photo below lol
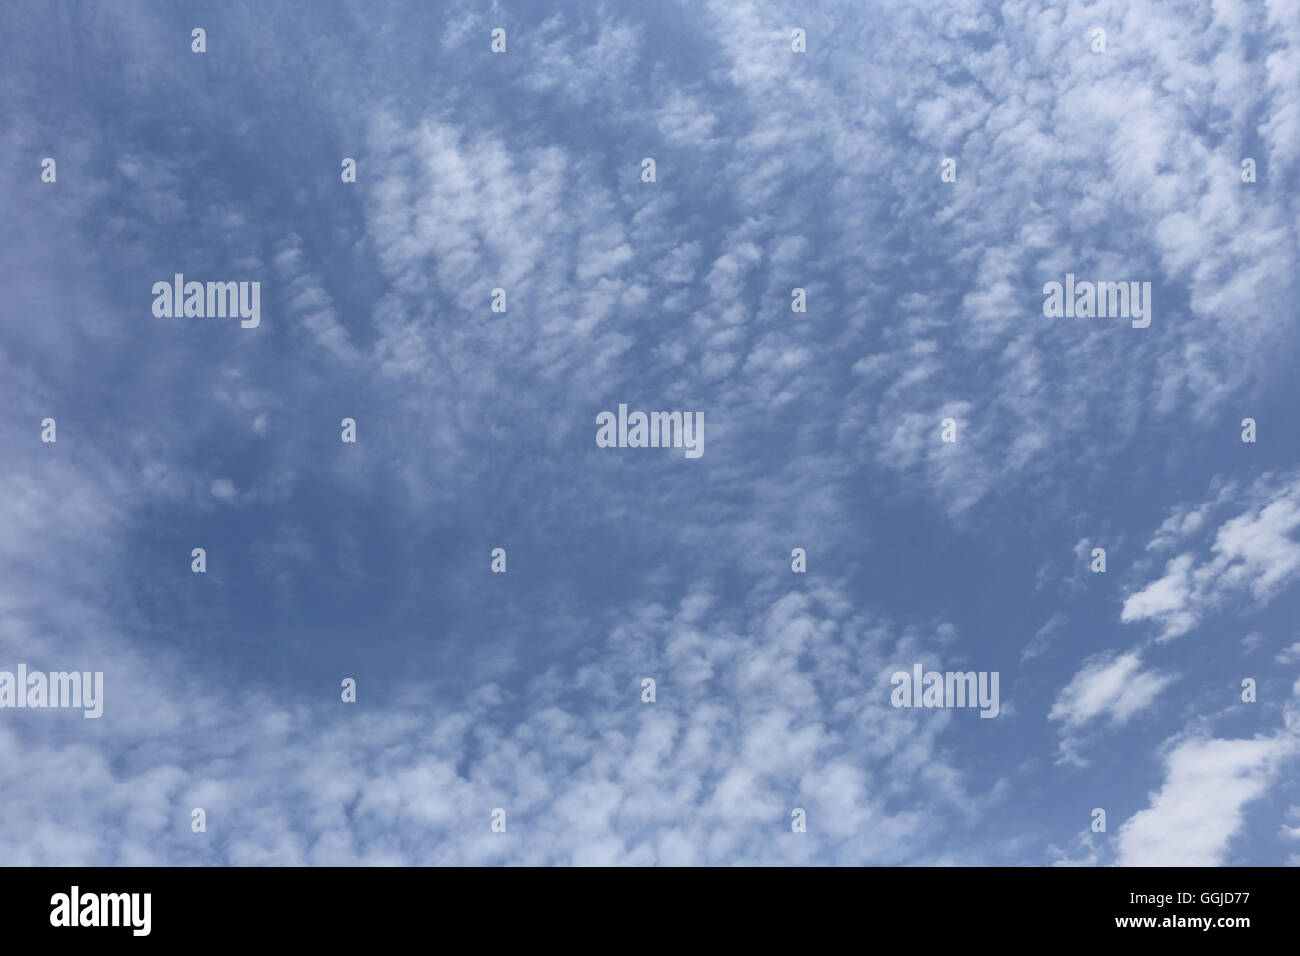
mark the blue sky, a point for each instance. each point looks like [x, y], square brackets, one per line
[476, 430]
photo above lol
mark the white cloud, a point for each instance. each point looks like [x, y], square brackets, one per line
[224, 489]
[1043, 637]
[1111, 686]
[1255, 556]
[680, 290]
[1200, 807]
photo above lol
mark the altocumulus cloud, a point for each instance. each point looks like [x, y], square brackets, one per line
[776, 172]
